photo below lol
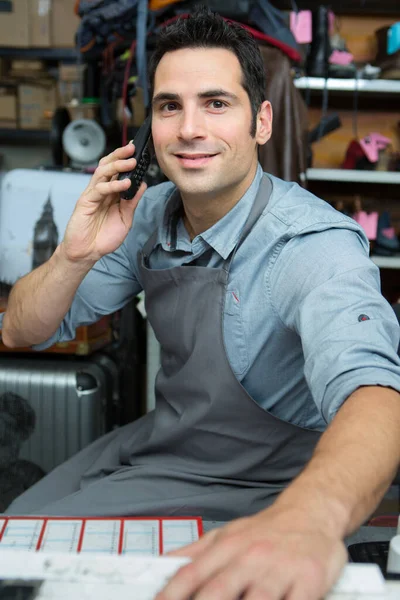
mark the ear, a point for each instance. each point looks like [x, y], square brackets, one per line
[264, 123]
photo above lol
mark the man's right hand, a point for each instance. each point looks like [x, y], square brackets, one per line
[101, 220]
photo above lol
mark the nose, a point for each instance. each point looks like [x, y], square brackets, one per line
[192, 125]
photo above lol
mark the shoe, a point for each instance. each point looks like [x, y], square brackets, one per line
[356, 159]
[317, 64]
[387, 242]
[389, 63]
[369, 222]
[341, 63]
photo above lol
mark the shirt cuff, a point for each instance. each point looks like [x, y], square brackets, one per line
[47, 343]
[340, 389]
[43, 345]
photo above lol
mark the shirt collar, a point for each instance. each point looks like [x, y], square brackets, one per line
[222, 236]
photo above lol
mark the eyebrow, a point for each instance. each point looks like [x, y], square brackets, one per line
[220, 93]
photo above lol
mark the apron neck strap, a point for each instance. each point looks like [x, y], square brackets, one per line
[149, 245]
[260, 202]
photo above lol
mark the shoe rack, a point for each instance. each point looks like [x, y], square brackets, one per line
[363, 106]
[372, 86]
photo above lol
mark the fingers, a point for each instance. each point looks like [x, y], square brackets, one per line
[193, 550]
[251, 577]
[118, 154]
[128, 207]
[280, 580]
[231, 582]
[116, 186]
[207, 564]
[116, 162]
[108, 191]
[109, 170]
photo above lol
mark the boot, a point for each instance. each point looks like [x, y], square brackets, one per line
[317, 64]
[388, 63]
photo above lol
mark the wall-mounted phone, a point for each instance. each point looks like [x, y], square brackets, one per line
[144, 153]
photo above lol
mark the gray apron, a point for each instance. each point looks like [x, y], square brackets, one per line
[208, 448]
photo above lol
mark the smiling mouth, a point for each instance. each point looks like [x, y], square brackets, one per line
[195, 156]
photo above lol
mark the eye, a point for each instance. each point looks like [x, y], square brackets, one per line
[218, 104]
[169, 107]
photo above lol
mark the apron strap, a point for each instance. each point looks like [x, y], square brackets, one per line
[259, 204]
[149, 245]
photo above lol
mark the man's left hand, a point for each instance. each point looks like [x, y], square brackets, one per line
[274, 555]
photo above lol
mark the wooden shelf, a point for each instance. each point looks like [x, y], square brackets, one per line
[68, 54]
[374, 86]
[356, 176]
[386, 262]
[24, 135]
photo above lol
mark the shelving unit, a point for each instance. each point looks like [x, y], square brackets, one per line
[346, 179]
[67, 54]
[24, 135]
[375, 86]
[371, 7]
[18, 136]
[386, 262]
[354, 176]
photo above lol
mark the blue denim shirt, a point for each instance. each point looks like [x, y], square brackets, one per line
[299, 285]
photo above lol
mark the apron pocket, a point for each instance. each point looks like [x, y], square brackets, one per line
[234, 333]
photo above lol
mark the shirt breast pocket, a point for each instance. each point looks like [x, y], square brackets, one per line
[234, 333]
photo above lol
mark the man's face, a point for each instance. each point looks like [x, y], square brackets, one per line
[202, 121]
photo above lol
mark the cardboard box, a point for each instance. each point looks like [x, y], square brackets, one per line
[69, 92]
[28, 24]
[14, 25]
[71, 72]
[8, 125]
[64, 24]
[37, 103]
[28, 69]
[28, 76]
[4, 66]
[70, 83]
[40, 23]
[27, 65]
[83, 111]
[8, 106]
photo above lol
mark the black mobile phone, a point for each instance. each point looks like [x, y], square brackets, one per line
[144, 153]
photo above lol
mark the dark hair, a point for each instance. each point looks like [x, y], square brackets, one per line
[206, 29]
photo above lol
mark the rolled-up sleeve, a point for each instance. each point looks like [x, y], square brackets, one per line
[325, 287]
[109, 285]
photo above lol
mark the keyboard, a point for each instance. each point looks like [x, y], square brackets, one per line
[370, 552]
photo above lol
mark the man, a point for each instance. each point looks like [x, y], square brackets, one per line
[271, 323]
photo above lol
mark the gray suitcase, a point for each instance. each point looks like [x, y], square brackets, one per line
[51, 408]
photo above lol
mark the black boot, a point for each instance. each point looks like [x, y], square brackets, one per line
[317, 64]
